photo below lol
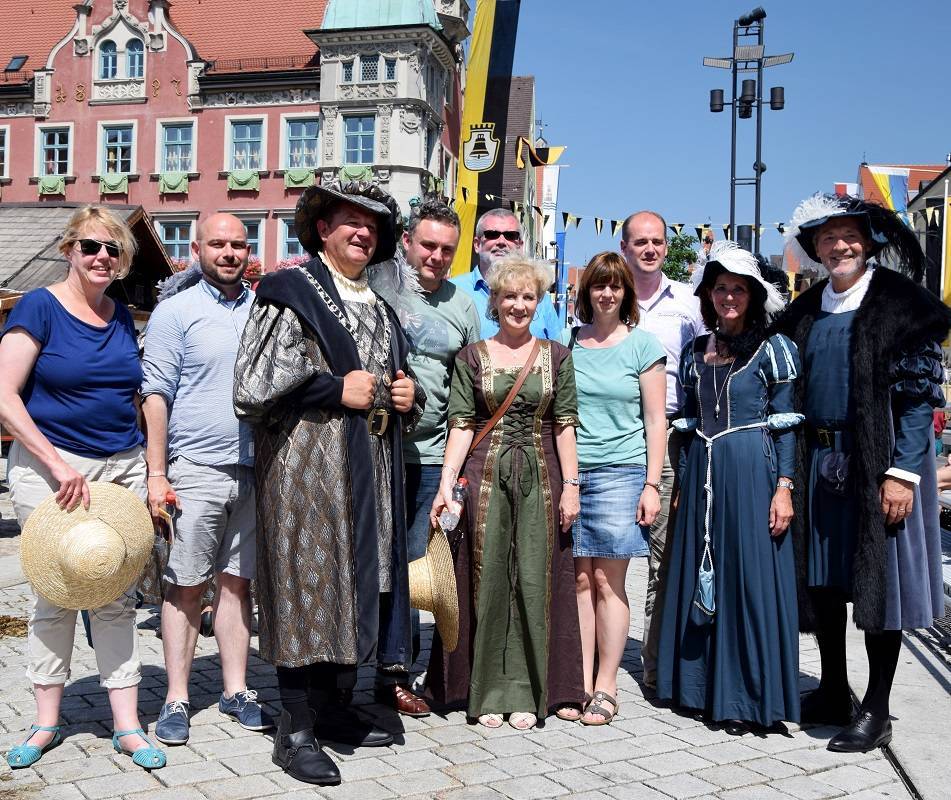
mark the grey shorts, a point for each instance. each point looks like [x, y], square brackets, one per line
[214, 529]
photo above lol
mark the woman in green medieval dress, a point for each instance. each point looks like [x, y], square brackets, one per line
[519, 647]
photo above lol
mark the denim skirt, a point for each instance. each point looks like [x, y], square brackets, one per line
[606, 526]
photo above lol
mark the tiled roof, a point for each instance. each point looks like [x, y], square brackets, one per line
[31, 28]
[229, 30]
[345, 14]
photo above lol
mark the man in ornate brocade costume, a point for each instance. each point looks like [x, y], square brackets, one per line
[319, 373]
[865, 498]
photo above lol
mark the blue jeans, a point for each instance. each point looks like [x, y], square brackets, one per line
[422, 485]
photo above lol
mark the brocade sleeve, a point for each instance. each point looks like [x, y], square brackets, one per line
[566, 394]
[462, 410]
[916, 390]
[273, 363]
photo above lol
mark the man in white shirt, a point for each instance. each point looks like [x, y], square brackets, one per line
[670, 311]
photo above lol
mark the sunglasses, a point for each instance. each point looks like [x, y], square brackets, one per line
[91, 247]
[511, 236]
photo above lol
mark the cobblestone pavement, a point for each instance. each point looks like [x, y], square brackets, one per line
[648, 753]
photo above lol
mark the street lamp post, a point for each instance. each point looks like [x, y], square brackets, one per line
[748, 47]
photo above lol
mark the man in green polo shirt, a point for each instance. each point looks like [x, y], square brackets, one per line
[438, 323]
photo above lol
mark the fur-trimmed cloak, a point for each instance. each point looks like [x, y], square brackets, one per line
[896, 317]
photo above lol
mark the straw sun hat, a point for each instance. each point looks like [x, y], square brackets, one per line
[86, 559]
[432, 587]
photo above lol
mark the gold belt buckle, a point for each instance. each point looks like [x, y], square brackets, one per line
[826, 437]
[377, 421]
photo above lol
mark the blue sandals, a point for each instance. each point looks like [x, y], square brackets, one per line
[148, 758]
[26, 755]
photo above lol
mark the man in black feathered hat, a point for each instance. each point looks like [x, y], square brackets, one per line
[866, 524]
[321, 374]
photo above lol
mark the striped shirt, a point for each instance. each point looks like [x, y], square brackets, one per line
[191, 344]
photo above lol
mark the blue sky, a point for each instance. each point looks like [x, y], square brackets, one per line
[620, 82]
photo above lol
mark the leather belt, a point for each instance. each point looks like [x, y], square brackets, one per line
[827, 436]
[378, 421]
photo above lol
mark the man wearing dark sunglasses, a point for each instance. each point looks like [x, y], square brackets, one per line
[498, 234]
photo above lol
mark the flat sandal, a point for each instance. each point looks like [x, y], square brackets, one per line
[490, 720]
[595, 707]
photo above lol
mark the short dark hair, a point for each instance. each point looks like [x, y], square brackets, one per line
[609, 268]
[627, 222]
[435, 210]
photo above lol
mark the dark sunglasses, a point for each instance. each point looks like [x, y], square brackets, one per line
[512, 236]
[91, 247]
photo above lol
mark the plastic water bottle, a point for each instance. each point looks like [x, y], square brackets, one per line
[449, 517]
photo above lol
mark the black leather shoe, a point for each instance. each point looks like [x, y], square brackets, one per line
[822, 707]
[343, 725]
[300, 756]
[866, 733]
[735, 727]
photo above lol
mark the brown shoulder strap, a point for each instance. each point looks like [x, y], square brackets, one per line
[500, 411]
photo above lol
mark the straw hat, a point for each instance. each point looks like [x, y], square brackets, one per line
[432, 587]
[85, 559]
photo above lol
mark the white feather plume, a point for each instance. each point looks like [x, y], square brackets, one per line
[736, 260]
[812, 208]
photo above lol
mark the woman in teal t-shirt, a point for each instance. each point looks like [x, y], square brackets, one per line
[622, 385]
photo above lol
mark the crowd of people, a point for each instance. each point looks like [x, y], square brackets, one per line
[773, 463]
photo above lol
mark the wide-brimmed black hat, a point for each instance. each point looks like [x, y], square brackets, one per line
[315, 200]
[883, 229]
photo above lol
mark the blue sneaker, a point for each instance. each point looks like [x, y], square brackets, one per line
[172, 725]
[246, 709]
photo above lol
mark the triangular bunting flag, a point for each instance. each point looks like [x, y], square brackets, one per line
[537, 210]
[542, 157]
[565, 216]
[727, 232]
[762, 229]
[616, 225]
[929, 215]
[699, 229]
[598, 224]
[465, 195]
[545, 218]
[781, 227]
[578, 221]
[677, 227]
[571, 219]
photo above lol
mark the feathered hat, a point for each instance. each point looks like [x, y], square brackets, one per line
[367, 196]
[882, 227]
[727, 256]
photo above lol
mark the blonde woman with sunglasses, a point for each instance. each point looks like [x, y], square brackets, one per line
[69, 375]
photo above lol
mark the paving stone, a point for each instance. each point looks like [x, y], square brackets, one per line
[228, 748]
[753, 793]
[524, 765]
[671, 763]
[451, 735]
[117, 785]
[681, 786]
[530, 787]
[660, 743]
[464, 753]
[635, 791]
[597, 733]
[59, 791]
[805, 787]
[248, 786]
[726, 752]
[851, 779]
[366, 768]
[358, 790]
[773, 767]
[424, 781]
[614, 750]
[75, 770]
[251, 764]
[643, 726]
[574, 779]
[701, 735]
[416, 761]
[730, 776]
[818, 759]
[193, 773]
[622, 772]
[553, 739]
[469, 793]
[476, 773]
[178, 793]
[566, 758]
[510, 746]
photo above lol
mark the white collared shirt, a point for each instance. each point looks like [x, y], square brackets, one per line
[672, 314]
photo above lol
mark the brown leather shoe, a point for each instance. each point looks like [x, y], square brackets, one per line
[402, 700]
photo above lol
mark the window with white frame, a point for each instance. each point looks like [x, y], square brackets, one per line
[369, 69]
[389, 68]
[301, 143]
[108, 60]
[176, 144]
[176, 238]
[253, 228]
[246, 144]
[117, 141]
[290, 246]
[346, 72]
[4, 134]
[135, 58]
[358, 139]
[54, 151]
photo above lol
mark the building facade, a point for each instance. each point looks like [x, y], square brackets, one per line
[190, 108]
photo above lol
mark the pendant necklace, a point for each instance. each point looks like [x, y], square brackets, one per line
[719, 393]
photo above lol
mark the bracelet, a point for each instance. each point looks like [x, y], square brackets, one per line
[570, 482]
[654, 486]
[156, 474]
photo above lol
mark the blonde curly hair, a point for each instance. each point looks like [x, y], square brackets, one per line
[516, 271]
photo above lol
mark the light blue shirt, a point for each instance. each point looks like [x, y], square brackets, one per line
[545, 323]
[191, 345]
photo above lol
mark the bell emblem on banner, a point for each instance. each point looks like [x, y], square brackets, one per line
[481, 149]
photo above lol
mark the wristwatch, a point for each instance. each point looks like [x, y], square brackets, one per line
[785, 483]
